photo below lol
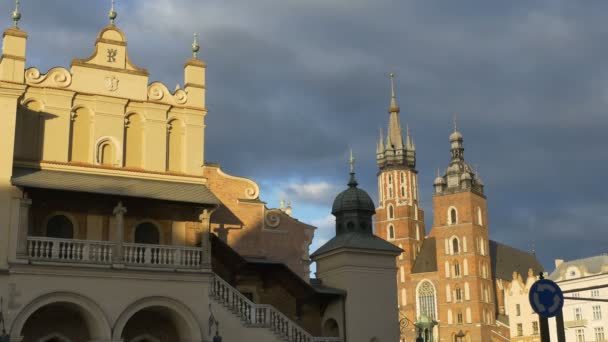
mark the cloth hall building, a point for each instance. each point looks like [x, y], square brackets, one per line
[451, 281]
[114, 228]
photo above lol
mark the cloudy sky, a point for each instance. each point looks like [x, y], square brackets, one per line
[293, 84]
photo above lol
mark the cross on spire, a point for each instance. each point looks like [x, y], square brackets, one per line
[195, 46]
[455, 127]
[351, 162]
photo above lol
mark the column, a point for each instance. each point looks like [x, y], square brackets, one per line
[205, 219]
[119, 214]
[24, 226]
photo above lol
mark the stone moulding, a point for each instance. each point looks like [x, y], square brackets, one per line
[55, 78]
[160, 93]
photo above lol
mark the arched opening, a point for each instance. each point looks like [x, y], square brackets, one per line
[55, 337]
[60, 227]
[58, 322]
[330, 328]
[453, 216]
[80, 135]
[391, 212]
[157, 319]
[456, 269]
[29, 124]
[147, 233]
[391, 232]
[175, 133]
[455, 248]
[134, 140]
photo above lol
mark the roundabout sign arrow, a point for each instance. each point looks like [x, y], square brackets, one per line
[546, 298]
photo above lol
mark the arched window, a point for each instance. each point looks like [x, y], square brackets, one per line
[60, 227]
[455, 248]
[458, 294]
[175, 133]
[402, 185]
[391, 232]
[467, 292]
[390, 179]
[391, 212]
[134, 140]
[459, 317]
[80, 135]
[465, 265]
[448, 293]
[479, 218]
[147, 233]
[105, 153]
[453, 216]
[426, 300]
[456, 269]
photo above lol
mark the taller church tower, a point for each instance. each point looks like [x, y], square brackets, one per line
[463, 255]
[398, 216]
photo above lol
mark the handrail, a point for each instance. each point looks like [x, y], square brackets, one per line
[262, 314]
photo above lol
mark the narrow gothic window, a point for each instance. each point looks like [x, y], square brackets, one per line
[458, 294]
[391, 213]
[455, 246]
[426, 300]
[459, 317]
[452, 216]
[479, 219]
[456, 269]
[391, 232]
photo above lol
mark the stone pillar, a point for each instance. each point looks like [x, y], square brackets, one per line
[24, 226]
[119, 213]
[205, 219]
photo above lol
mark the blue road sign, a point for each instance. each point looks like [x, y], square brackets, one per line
[546, 298]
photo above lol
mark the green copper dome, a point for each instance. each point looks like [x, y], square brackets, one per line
[353, 199]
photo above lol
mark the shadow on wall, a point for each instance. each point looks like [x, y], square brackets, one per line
[30, 130]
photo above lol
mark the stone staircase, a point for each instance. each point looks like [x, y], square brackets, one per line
[260, 315]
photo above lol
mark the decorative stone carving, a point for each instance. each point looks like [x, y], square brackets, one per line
[56, 77]
[159, 92]
[272, 218]
[111, 83]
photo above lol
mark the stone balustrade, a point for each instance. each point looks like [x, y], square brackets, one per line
[101, 253]
[261, 315]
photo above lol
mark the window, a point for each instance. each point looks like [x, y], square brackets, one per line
[597, 312]
[468, 315]
[60, 227]
[458, 294]
[467, 294]
[520, 329]
[534, 328]
[417, 232]
[448, 293]
[391, 212]
[479, 218]
[403, 184]
[517, 310]
[580, 335]
[415, 211]
[576, 294]
[426, 300]
[599, 334]
[391, 232]
[578, 315]
[456, 269]
[105, 153]
[453, 216]
[459, 317]
[595, 293]
[455, 245]
[402, 191]
[147, 233]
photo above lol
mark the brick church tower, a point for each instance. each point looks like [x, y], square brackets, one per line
[463, 254]
[398, 216]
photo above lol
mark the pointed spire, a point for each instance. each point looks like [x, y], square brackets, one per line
[195, 46]
[455, 127]
[393, 108]
[381, 143]
[16, 15]
[351, 161]
[408, 138]
[112, 14]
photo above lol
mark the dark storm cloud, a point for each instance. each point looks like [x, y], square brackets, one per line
[293, 84]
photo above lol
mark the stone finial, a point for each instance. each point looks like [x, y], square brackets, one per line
[394, 107]
[112, 14]
[16, 15]
[195, 46]
[351, 162]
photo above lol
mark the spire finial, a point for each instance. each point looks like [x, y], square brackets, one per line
[455, 127]
[195, 46]
[352, 182]
[112, 14]
[394, 107]
[438, 174]
[16, 15]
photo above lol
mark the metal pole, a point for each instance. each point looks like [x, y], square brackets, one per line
[544, 329]
[561, 333]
